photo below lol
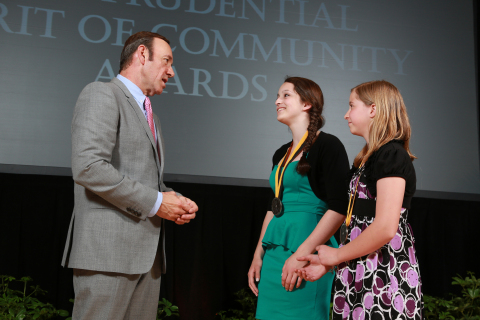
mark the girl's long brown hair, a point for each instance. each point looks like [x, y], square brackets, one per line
[310, 93]
[390, 121]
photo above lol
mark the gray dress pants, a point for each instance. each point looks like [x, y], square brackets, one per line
[115, 296]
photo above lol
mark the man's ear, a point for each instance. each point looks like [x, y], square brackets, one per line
[142, 54]
[373, 111]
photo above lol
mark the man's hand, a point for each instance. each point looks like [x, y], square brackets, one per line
[190, 214]
[173, 207]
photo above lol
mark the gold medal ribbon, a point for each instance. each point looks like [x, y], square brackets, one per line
[351, 201]
[278, 181]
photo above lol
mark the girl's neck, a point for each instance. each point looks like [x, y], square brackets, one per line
[366, 136]
[298, 130]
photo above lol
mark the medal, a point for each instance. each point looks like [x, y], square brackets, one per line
[277, 205]
[351, 201]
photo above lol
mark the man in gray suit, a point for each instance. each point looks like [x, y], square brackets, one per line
[116, 238]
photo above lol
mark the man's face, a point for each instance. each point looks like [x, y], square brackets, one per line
[157, 72]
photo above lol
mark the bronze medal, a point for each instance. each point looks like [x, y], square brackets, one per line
[277, 206]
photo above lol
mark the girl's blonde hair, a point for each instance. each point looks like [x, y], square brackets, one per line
[390, 121]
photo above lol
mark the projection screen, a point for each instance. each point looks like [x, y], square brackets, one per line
[230, 57]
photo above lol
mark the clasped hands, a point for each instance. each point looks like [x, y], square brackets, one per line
[177, 208]
[310, 267]
[291, 278]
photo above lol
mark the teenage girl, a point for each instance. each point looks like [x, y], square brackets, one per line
[378, 275]
[308, 179]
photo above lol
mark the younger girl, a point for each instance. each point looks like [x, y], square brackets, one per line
[378, 275]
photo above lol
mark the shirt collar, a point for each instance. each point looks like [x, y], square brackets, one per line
[134, 90]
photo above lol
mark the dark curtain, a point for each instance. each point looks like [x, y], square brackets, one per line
[35, 213]
[208, 259]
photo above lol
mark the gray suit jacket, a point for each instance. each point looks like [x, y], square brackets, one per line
[117, 174]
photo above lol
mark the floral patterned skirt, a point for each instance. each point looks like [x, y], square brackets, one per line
[384, 285]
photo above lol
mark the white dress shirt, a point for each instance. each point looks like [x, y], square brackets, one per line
[140, 98]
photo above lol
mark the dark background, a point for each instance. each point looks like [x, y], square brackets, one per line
[208, 259]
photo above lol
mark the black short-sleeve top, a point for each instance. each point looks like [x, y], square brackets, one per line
[390, 160]
[328, 168]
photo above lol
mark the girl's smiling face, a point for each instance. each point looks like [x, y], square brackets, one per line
[289, 105]
[359, 116]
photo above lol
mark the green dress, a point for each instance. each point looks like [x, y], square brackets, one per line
[302, 212]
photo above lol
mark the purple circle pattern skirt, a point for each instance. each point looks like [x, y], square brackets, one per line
[384, 285]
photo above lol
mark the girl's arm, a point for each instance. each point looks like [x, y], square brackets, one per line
[390, 192]
[254, 272]
[324, 230]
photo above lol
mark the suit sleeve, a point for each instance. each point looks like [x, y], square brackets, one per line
[94, 134]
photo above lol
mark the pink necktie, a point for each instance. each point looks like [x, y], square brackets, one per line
[148, 107]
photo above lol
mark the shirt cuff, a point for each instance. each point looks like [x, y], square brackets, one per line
[157, 205]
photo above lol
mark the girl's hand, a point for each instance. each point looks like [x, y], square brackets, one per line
[314, 270]
[254, 274]
[327, 256]
[289, 276]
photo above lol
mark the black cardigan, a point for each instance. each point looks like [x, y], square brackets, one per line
[328, 173]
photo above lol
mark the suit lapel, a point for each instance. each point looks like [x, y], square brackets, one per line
[141, 117]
